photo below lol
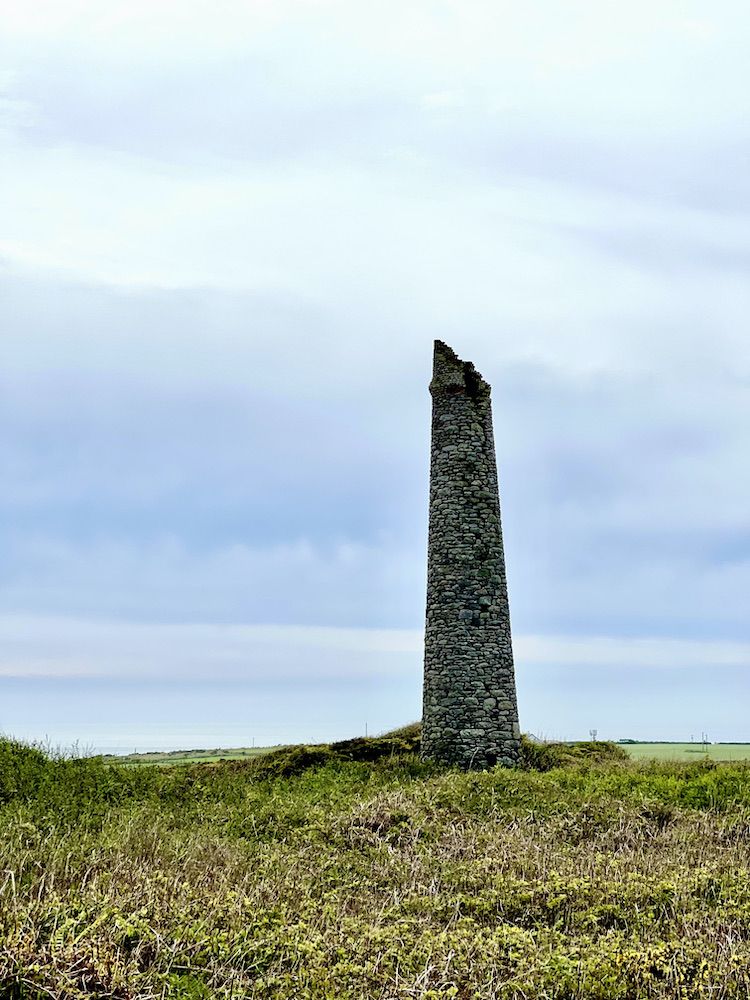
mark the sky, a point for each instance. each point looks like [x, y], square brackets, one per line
[229, 234]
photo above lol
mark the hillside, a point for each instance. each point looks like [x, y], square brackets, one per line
[358, 871]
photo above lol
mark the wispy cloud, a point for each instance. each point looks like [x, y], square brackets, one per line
[35, 646]
[43, 646]
[608, 652]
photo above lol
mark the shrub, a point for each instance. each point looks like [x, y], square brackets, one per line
[22, 768]
[546, 756]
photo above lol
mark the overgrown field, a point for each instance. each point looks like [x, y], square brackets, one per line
[314, 873]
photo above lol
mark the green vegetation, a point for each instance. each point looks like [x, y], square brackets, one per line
[688, 751]
[186, 756]
[355, 871]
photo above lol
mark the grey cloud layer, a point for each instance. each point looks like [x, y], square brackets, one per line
[172, 499]
[651, 100]
[228, 242]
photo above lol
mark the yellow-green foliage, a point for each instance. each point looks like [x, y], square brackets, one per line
[337, 878]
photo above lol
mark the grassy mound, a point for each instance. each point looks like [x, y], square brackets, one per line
[83, 789]
[404, 745]
[546, 756]
[401, 744]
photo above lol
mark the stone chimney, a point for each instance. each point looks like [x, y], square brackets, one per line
[470, 713]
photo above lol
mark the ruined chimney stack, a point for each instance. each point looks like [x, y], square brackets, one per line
[470, 713]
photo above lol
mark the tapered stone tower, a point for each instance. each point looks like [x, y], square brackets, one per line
[470, 713]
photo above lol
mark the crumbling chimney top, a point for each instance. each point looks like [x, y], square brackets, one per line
[451, 374]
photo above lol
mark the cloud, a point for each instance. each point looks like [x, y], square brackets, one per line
[54, 647]
[607, 652]
[119, 685]
[354, 264]
[283, 584]
[174, 500]
[633, 98]
[230, 236]
[63, 647]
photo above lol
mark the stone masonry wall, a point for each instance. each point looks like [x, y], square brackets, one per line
[470, 714]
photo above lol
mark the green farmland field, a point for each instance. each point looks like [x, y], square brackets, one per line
[687, 751]
[188, 756]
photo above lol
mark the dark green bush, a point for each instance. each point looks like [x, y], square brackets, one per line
[22, 768]
[289, 761]
[546, 756]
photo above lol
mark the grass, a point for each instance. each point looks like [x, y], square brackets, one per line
[638, 751]
[186, 756]
[688, 751]
[357, 871]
